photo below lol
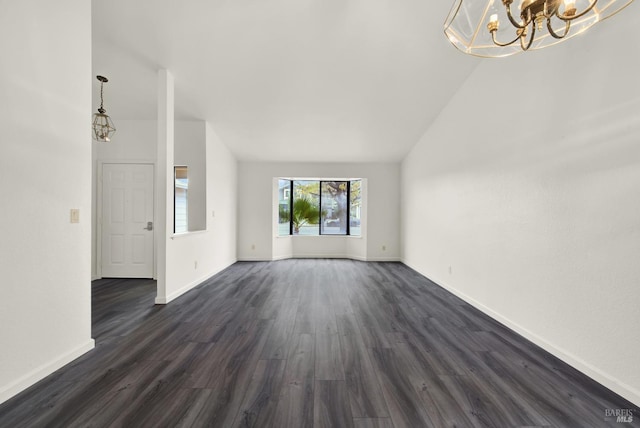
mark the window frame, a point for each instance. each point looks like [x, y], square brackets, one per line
[347, 230]
[178, 171]
[291, 200]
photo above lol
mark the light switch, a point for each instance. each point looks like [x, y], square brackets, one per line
[75, 215]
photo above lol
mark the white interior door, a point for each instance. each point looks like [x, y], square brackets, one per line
[127, 220]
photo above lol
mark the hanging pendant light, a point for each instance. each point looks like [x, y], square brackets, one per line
[103, 127]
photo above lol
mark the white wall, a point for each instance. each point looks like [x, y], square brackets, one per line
[256, 212]
[45, 155]
[524, 198]
[194, 257]
[134, 140]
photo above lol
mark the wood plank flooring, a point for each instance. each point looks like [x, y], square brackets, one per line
[308, 343]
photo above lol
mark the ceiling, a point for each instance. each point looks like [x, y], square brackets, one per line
[284, 80]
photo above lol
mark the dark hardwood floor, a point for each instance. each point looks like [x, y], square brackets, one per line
[308, 343]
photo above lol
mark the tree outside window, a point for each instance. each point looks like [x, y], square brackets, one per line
[312, 207]
[334, 208]
[306, 207]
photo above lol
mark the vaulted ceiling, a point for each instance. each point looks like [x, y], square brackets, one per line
[285, 80]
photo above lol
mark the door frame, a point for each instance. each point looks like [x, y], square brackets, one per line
[99, 195]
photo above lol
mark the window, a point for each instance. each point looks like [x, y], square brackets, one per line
[284, 207]
[333, 215]
[355, 207]
[180, 200]
[313, 207]
[305, 216]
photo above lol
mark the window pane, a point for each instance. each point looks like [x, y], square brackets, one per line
[306, 207]
[334, 208]
[284, 207]
[180, 205]
[355, 208]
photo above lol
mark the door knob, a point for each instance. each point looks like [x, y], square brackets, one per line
[149, 226]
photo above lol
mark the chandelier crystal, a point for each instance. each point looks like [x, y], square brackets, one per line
[497, 28]
[102, 125]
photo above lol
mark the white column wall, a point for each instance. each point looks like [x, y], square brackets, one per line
[164, 183]
[194, 257]
[45, 171]
[524, 198]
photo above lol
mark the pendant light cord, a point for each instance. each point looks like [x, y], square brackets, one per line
[101, 109]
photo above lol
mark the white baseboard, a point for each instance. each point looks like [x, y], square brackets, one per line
[165, 300]
[614, 384]
[321, 256]
[184, 289]
[384, 259]
[330, 256]
[43, 371]
[254, 259]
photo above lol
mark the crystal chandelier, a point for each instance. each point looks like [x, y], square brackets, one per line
[102, 127]
[497, 28]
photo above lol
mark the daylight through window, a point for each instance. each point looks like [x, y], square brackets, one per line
[318, 207]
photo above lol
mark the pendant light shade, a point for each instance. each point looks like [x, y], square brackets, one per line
[102, 126]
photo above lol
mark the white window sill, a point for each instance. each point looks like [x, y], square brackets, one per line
[184, 234]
